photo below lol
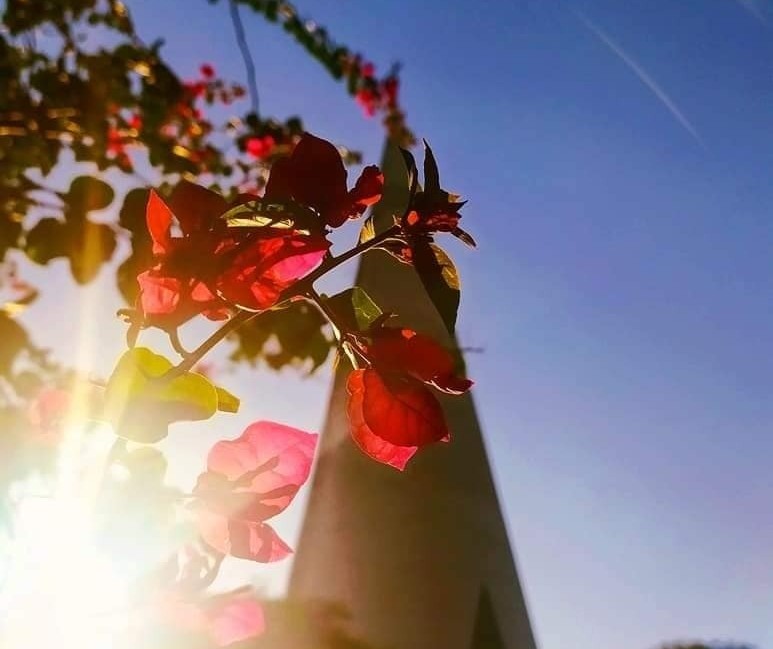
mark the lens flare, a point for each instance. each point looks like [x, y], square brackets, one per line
[59, 589]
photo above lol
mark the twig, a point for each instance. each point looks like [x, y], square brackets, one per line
[174, 340]
[302, 288]
[249, 63]
[196, 355]
[334, 262]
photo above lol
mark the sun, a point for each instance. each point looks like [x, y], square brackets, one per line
[59, 589]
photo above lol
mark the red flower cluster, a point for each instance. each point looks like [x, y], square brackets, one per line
[391, 411]
[206, 267]
[260, 147]
[314, 175]
[375, 96]
[224, 619]
[433, 209]
[249, 480]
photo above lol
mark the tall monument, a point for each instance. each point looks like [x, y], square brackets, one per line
[420, 559]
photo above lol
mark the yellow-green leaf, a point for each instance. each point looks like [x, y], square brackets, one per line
[141, 405]
[227, 402]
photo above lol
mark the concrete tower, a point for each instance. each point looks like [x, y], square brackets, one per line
[420, 559]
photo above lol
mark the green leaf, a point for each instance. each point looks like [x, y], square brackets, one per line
[431, 174]
[132, 213]
[355, 308]
[91, 245]
[227, 402]
[141, 405]
[14, 338]
[47, 240]
[272, 214]
[464, 237]
[440, 279]
[368, 230]
[87, 194]
[410, 165]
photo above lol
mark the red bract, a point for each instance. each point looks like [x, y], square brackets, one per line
[174, 290]
[48, 411]
[314, 175]
[368, 101]
[208, 263]
[405, 351]
[207, 71]
[391, 412]
[261, 271]
[226, 619]
[433, 209]
[248, 481]
[443, 217]
[235, 619]
[260, 147]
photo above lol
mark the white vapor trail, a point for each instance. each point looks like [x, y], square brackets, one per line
[755, 8]
[644, 76]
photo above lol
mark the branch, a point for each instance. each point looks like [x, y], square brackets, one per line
[174, 340]
[197, 354]
[334, 262]
[348, 347]
[249, 63]
[302, 288]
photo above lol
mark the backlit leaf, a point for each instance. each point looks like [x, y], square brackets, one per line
[141, 405]
[431, 174]
[440, 279]
[368, 230]
[87, 194]
[227, 402]
[262, 213]
[355, 308]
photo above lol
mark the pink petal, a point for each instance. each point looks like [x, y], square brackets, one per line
[259, 274]
[280, 456]
[243, 539]
[295, 266]
[235, 620]
[159, 295]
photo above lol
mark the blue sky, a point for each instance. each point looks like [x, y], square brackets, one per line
[617, 159]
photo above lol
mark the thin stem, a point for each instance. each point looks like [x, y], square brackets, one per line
[174, 340]
[249, 63]
[197, 354]
[303, 288]
[318, 301]
[334, 262]
[347, 340]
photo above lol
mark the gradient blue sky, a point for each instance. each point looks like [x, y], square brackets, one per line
[617, 157]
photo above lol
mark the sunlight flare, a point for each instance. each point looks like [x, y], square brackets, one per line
[59, 588]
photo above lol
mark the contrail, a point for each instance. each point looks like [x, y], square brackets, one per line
[754, 8]
[643, 75]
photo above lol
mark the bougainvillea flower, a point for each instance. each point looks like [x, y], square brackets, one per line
[174, 290]
[206, 265]
[224, 619]
[260, 272]
[433, 209]
[235, 619]
[392, 412]
[314, 175]
[48, 410]
[249, 480]
[260, 147]
[405, 351]
[441, 217]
